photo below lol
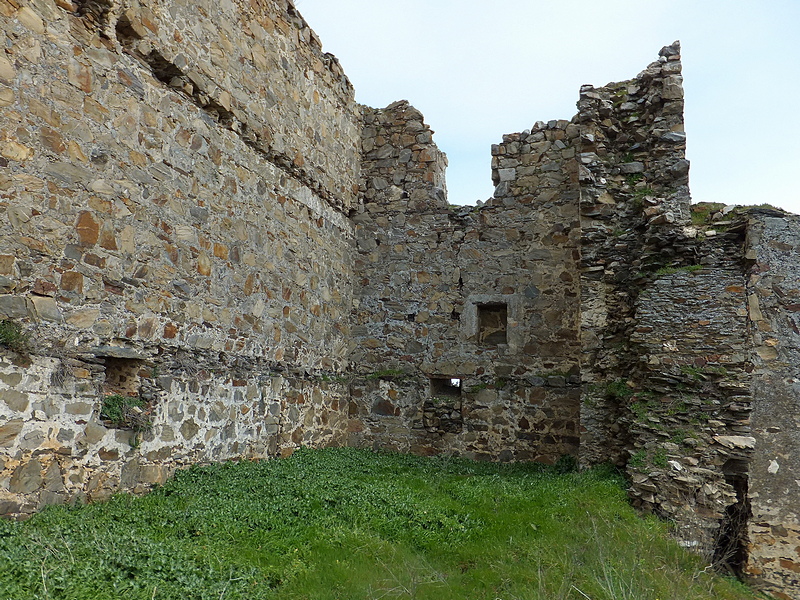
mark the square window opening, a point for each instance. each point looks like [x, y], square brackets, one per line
[492, 324]
[446, 387]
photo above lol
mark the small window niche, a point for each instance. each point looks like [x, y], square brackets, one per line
[123, 376]
[442, 411]
[492, 324]
[445, 387]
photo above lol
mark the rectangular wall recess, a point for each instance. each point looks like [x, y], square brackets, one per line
[492, 324]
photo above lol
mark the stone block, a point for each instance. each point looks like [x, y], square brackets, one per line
[26, 478]
[45, 309]
[13, 307]
[9, 432]
[15, 400]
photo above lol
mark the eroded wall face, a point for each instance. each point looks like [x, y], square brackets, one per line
[486, 297]
[774, 306]
[634, 202]
[172, 227]
[666, 363]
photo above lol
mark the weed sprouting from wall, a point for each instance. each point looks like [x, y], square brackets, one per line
[126, 412]
[13, 337]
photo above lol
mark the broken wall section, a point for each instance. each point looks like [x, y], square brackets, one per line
[634, 204]
[666, 362]
[465, 320]
[163, 202]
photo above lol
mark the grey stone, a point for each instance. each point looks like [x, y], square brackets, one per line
[189, 429]
[674, 136]
[16, 401]
[632, 167]
[26, 478]
[67, 173]
[53, 478]
[118, 352]
[13, 307]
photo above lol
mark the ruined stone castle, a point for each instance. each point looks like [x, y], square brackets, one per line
[196, 214]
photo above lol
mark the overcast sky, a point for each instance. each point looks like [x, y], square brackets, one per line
[478, 69]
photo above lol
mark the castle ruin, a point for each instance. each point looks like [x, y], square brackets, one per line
[196, 213]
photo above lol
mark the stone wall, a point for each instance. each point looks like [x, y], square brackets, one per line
[196, 218]
[485, 297]
[164, 206]
[773, 289]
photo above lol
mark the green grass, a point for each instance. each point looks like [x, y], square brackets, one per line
[126, 411]
[353, 524]
[13, 337]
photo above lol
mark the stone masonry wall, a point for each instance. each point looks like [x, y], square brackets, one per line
[195, 213]
[773, 288]
[426, 272]
[666, 364]
[163, 206]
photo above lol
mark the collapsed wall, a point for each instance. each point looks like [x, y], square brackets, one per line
[164, 209]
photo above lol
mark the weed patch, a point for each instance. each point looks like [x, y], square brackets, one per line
[352, 524]
[13, 337]
[129, 412]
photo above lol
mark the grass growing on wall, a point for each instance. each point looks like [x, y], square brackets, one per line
[13, 337]
[352, 524]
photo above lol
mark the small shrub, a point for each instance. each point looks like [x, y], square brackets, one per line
[660, 458]
[640, 409]
[638, 459]
[13, 337]
[634, 178]
[126, 412]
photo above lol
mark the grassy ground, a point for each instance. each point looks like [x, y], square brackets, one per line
[352, 524]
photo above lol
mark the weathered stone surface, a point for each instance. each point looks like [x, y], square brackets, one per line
[9, 431]
[26, 478]
[13, 307]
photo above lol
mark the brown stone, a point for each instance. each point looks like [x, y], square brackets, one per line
[15, 151]
[75, 153]
[44, 288]
[106, 454]
[88, 229]
[221, 251]
[203, 264]
[107, 239]
[80, 76]
[52, 140]
[9, 432]
[72, 281]
[7, 264]
[7, 71]
[249, 284]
